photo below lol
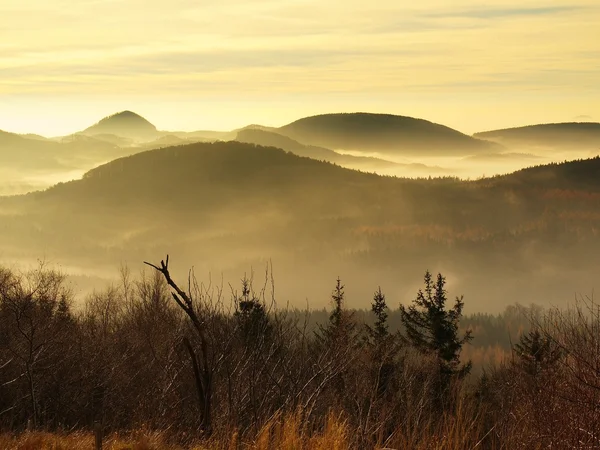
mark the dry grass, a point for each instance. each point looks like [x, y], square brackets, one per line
[281, 433]
[82, 441]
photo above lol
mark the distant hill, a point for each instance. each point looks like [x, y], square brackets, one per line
[119, 141]
[553, 135]
[25, 154]
[168, 140]
[204, 135]
[271, 139]
[18, 152]
[383, 133]
[125, 124]
[261, 136]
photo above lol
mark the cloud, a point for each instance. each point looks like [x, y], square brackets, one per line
[378, 52]
[500, 13]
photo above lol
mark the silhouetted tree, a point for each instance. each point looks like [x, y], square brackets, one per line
[251, 315]
[536, 351]
[380, 309]
[202, 366]
[431, 328]
[341, 326]
[384, 347]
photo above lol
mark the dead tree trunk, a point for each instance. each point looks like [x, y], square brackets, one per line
[200, 363]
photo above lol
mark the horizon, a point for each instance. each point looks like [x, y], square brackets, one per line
[220, 67]
[67, 127]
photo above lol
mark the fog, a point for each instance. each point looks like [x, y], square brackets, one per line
[472, 166]
[285, 199]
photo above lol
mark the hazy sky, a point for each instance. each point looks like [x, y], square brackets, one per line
[194, 64]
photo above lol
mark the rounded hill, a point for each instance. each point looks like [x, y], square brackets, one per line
[125, 124]
[383, 133]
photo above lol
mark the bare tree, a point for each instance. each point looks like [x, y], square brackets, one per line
[202, 368]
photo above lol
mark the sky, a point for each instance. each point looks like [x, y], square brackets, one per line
[197, 65]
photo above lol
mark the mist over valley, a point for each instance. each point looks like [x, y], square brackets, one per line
[372, 198]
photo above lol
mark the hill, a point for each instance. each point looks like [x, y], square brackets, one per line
[18, 152]
[204, 135]
[385, 134]
[271, 139]
[119, 141]
[225, 207]
[75, 151]
[29, 163]
[125, 124]
[211, 174]
[202, 178]
[573, 135]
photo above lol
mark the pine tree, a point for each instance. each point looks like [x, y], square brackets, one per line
[251, 315]
[379, 308]
[431, 328]
[340, 328]
[337, 340]
[384, 347]
[335, 318]
[536, 351]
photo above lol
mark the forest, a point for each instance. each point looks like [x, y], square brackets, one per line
[154, 362]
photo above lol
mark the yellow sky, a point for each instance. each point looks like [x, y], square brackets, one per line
[194, 64]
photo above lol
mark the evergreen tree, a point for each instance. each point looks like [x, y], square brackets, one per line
[336, 342]
[251, 315]
[384, 347]
[536, 351]
[380, 309]
[341, 325]
[431, 328]
[338, 303]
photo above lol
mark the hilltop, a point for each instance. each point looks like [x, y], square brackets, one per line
[125, 124]
[383, 133]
